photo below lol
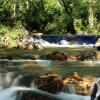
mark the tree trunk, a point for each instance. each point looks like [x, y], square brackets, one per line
[90, 14]
[69, 12]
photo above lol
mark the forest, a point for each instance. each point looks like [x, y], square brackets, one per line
[50, 17]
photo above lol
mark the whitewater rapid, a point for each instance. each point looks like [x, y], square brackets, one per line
[11, 94]
[61, 43]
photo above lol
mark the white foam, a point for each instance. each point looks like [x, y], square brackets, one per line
[44, 63]
[63, 43]
[65, 96]
[10, 94]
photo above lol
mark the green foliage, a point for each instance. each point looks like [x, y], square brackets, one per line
[56, 23]
[13, 35]
[19, 17]
[78, 26]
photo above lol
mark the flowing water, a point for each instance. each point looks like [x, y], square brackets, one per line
[17, 76]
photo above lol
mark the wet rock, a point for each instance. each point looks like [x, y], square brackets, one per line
[98, 55]
[78, 84]
[50, 82]
[21, 45]
[55, 56]
[88, 55]
[30, 47]
[32, 57]
[38, 46]
[60, 56]
[25, 46]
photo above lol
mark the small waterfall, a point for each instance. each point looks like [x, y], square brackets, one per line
[2, 81]
[16, 81]
[23, 93]
[69, 88]
[7, 94]
[18, 90]
[63, 42]
[64, 96]
[58, 42]
[9, 78]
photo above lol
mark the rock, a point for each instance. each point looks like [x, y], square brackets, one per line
[55, 56]
[37, 34]
[97, 44]
[78, 84]
[58, 56]
[98, 55]
[71, 58]
[50, 82]
[88, 55]
[38, 46]
[30, 47]
[21, 46]
[32, 57]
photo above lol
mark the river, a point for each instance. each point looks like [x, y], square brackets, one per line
[12, 70]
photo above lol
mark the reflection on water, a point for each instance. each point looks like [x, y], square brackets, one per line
[61, 67]
[44, 63]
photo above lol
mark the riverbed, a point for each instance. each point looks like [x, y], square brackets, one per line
[91, 68]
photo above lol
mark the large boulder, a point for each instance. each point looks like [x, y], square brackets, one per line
[51, 83]
[78, 84]
[60, 56]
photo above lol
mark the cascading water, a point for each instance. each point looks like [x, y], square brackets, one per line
[9, 78]
[64, 96]
[7, 94]
[23, 93]
[70, 88]
[14, 87]
[2, 81]
[64, 42]
[18, 90]
[18, 93]
[16, 80]
[60, 43]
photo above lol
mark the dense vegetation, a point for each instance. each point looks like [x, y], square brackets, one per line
[21, 17]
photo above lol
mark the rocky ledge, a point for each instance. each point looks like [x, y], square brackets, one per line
[74, 83]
